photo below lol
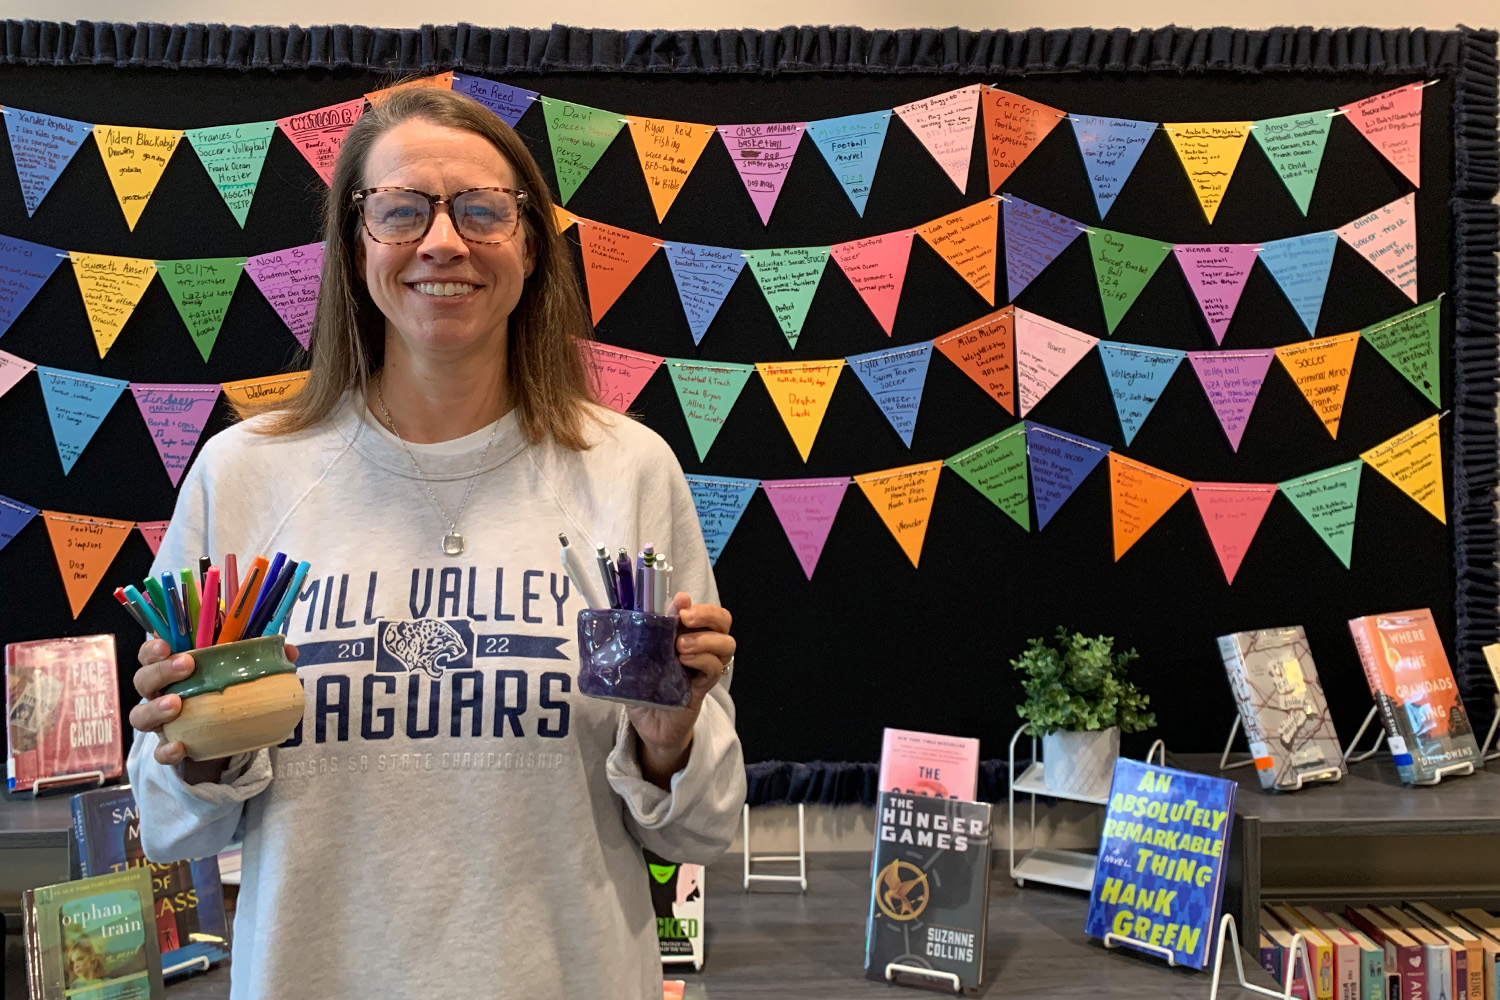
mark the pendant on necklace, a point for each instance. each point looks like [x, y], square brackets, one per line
[453, 543]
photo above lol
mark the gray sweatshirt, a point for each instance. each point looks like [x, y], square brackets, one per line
[452, 819]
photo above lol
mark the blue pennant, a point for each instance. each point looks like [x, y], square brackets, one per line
[1111, 148]
[895, 377]
[1034, 236]
[1300, 266]
[24, 269]
[42, 146]
[704, 276]
[720, 503]
[76, 404]
[510, 103]
[851, 145]
[1137, 375]
[1059, 463]
[14, 515]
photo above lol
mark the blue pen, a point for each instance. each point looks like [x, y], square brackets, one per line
[287, 600]
[169, 587]
[270, 599]
[272, 575]
[152, 618]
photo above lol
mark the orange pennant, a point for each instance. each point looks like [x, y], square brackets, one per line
[1139, 496]
[84, 547]
[611, 260]
[1321, 370]
[986, 351]
[966, 240]
[801, 391]
[443, 81]
[903, 499]
[1013, 127]
[562, 218]
[249, 394]
[668, 151]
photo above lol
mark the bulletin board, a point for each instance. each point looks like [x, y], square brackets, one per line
[878, 633]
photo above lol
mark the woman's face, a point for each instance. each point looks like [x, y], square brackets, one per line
[442, 296]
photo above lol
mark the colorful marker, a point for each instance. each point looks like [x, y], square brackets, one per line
[287, 600]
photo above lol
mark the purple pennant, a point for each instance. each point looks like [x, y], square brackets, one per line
[289, 279]
[24, 269]
[1034, 236]
[175, 413]
[806, 508]
[1217, 274]
[510, 103]
[43, 146]
[763, 154]
[1059, 463]
[14, 515]
[1232, 380]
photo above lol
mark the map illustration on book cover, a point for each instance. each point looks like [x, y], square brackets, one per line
[62, 710]
[677, 897]
[929, 901]
[1160, 873]
[1282, 708]
[1425, 722]
[91, 940]
[943, 767]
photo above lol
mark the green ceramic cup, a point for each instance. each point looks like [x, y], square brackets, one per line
[219, 667]
[241, 696]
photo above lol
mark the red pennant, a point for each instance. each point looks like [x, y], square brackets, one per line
[617, 375]
[152, 531]
[1392, 121]
[1232, 513]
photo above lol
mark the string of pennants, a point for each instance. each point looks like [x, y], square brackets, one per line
[135, 157]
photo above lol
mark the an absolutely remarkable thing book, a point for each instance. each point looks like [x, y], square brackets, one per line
[1282, 708]
[941, 767]
[92, 939]
[62, 711]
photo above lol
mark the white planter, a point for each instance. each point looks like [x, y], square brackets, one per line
[1081, 763]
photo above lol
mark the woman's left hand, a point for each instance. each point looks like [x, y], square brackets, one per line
[705, 648]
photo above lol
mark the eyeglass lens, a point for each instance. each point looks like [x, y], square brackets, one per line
[404, 216]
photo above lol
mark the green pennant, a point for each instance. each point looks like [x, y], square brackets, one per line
[996, 467]
[202, 288]
[788, 277]
[707, 392]
[578, 135]
[1294, 145]
[1123, 264]
[1327, 499]
[1410, 343]
[233, 156]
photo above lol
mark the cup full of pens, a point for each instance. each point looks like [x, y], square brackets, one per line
[243, 693]
[627, 636]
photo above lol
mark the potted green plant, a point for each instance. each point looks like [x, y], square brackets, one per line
[1078, 700]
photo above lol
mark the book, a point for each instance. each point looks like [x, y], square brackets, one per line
[1375, 983]
[1406, 956]
[1318, 946]
[1413, 686]
[1347, 961]
[1282, 708]
[1160, 874]
[677, 897]
[941, 767]
[62, 711]
[1282, 938]
[1461, 940]
[1442, 977]
[929, 895]
[187, 898]
[1270, 955]
[1489, 942]
[91, 940]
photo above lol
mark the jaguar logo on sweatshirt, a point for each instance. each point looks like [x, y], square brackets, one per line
[428, 645]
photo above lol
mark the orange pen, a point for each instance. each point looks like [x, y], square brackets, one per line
[244, 602]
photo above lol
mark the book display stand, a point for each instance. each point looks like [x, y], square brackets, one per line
[946, 978]
[1224, 765]
[1229, 940]
[1455, 770]
[89, 779]
[198, 963]
[800, 857]
[1489, 740]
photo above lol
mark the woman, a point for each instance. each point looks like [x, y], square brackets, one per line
[448, 793]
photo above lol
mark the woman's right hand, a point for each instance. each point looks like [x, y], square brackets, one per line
[159, 667]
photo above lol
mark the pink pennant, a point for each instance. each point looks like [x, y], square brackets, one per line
[318, 134]
[1217, 274]
[763, 155]
[152, 531]
[1392, 121]
[289, 279]
[1232, 512]
[806, 508]
[876, 267]
[617, 375]
[1387, 238]
[12, 370]
[175, 413]
[1232, 380]
[945, 125]
[1045, 352]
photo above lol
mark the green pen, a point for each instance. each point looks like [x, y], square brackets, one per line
[153, 589]
[190, 594]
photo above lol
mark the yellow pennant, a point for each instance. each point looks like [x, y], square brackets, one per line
[562, 218]
[1321, 370]
[903, 499]
[1413, 461]
[801, 391]
[134, 159]
[1209, 152]
[668, 152]
[250, 394]
[111, 287]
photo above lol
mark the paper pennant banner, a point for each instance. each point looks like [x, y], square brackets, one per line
[1045, 352]
[996, 467]
[134, 158]
[1232, 381]
[76, 405]
[319, 134]
[562, 218]
[1138, 496]
[895, 378]
[510, 103]
[290, 279]
[1392, 121]
[14, 515]
[707, 392]
[1327, 499]
[788, 277]
[152, 532]
[966, 240]
[443, 81]
[945, 125]
[1410, 343]
[1122, 266]
[1387, 238]
[1137, 376]
[611, 260]
[801, 391]
[617, 375]
[876, 267]
[175, 413]
[24, 269]
[1294, 145]
[42, 146]
[1231, 514]
[763, 154]
[111, 289]
[201, 290]
[668, 151]
[1110, 147]
[903, 499]
[12, 370]
[1300, 266]
[852, 145]
[84, 547]
[720, 504]
[252, 392]
[1321, 370]
[1216, 273]
[806, 508]
[1059, 463]
[233, 155]
[985, 350]
[1034, 236]
[1209, 152]
[704, 275]
[1013, 127]
[1413, 460]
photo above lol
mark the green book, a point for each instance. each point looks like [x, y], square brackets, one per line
[93, 939]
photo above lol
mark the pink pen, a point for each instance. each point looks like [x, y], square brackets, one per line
[208, 611]
[231, 580]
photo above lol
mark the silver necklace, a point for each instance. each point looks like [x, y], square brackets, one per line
[453, 541]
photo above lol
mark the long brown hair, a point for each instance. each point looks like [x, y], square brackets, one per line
[544, 366]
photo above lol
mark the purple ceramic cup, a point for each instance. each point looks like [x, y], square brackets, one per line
[631, 657]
